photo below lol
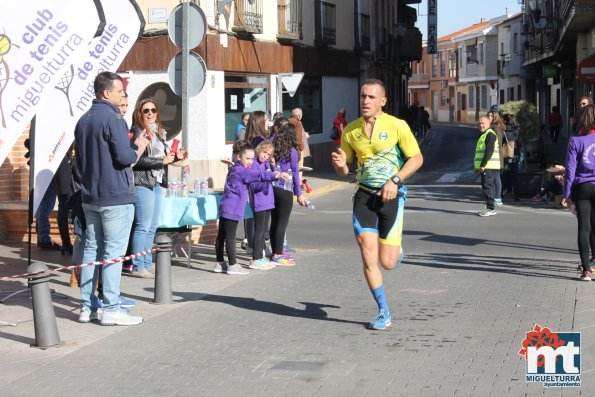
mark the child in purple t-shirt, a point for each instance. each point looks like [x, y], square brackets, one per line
[233, 203]
[262, 201]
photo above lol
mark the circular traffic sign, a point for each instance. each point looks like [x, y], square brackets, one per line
[197, 26]
[197, 73]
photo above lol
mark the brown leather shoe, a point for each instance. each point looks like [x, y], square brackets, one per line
[74, 278]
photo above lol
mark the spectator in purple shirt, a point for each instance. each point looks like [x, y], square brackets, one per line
[579, 185]
[256, 132]
[286, 160]
[233, 203]
[262, 201]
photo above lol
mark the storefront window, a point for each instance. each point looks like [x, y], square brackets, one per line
[308, 97]
[243, 93]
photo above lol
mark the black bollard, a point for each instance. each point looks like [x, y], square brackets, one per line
[163, 295]
[44, 318]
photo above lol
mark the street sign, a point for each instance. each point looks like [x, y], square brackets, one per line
[586, 70]
[550, 71]
[197, 74]
[291, 81]
[197, 26]
[432, 41]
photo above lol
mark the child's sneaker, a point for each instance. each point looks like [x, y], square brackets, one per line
[287, 248]
[236, 269]
[220, 267]
[382, 321]
[260, 264]
[282, 260]
[487, 212]
[267, 251]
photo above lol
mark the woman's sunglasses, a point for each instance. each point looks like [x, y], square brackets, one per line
[152, 110]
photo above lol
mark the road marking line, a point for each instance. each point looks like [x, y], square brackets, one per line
[449, 177]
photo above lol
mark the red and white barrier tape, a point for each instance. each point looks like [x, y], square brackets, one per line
[101, 263]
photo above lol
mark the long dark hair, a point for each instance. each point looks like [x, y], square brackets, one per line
[279, 122]
[285, 140]
[256, 126]
[586, 118]
[240, 147]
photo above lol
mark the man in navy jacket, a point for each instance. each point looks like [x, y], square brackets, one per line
[104, 157]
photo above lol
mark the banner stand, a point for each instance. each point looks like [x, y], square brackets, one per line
[30, 211]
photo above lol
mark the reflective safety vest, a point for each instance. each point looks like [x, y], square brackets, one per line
[494, 161]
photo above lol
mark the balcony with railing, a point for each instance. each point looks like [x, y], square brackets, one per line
[419, 78]
[248, 17]
[289, 15]
[362, 35]
[472, 69]
[325, 23]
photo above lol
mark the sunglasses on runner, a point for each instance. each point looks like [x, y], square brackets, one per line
[152, 110]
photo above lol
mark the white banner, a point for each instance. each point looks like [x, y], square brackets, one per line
[37, 41]
[64, 105]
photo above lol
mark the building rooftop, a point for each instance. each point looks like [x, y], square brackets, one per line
[469, 29]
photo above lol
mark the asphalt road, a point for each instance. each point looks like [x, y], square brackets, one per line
[469, 291]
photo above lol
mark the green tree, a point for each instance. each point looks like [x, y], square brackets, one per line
[526, 116]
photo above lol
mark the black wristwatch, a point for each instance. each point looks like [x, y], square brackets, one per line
[397, 181]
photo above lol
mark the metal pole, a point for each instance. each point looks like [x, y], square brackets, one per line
[44, 318]
[163, 293]
[185, 68]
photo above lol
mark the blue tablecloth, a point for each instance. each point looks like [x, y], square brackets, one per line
[181, 211]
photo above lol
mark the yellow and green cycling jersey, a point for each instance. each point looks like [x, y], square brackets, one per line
[380, 156]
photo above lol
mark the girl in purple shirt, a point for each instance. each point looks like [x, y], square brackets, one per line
[233, 203]
[286, 160]
[579, 183]
[262, 201]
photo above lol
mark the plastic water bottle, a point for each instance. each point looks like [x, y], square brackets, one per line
[310, 205]
[184, 187]
[170, 188]
[278, 182]
[174, 187]
[204, 187]
[289, 181]
[196, 187]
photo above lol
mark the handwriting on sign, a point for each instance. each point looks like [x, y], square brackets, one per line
[424, 291]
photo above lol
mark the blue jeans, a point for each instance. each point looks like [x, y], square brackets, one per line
[146, 216]
[42, 216]
[108, 229]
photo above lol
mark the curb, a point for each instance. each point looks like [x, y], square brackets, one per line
[326, 188]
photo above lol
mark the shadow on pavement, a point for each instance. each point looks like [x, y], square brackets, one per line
[470, 242]
[311, 310]
[558, 269]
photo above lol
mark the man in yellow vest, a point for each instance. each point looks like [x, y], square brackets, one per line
[487, 163]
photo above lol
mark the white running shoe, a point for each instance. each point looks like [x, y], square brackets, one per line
[119, 318]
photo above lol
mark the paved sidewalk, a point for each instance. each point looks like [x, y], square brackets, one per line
[19, 360]
[460, 317]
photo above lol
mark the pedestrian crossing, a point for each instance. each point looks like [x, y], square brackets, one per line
[449, 177]
[445, 177]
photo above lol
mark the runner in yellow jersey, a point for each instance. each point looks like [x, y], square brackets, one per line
[379, 141]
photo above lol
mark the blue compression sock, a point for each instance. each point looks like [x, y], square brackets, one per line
[380, 298]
